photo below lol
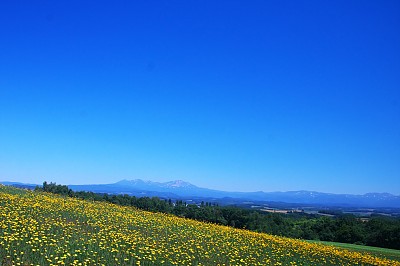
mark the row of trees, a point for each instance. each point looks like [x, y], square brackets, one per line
[378, 231]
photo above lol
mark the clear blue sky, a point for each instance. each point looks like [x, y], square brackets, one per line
[232, 95]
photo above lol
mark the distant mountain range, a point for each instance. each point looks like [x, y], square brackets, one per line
[181, 189]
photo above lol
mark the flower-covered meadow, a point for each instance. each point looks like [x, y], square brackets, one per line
[45, 229]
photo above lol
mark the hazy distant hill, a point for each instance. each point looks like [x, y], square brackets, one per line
[19, 185]
[179, 188]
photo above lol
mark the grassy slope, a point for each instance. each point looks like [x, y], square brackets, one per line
[101, 233]
[379, 252]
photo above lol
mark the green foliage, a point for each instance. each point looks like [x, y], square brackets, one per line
[378, 231]
[38, 228]
[376, 251]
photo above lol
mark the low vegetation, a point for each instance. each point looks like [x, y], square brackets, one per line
[377, 231]
[392, 254]
[39, 228]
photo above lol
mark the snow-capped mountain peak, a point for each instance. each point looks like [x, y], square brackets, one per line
[178, 184]
[145, 184]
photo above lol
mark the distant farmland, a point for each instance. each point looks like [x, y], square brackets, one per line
[45, 229]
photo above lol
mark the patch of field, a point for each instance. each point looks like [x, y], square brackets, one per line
[46, 229]
[392, 254]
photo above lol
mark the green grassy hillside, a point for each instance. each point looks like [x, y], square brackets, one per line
[46, 229]
[376, 251]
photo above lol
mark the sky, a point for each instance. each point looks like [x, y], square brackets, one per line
[229, 95]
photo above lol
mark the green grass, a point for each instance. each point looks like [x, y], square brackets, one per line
[39, 228]
[12, 190]
[376, 251]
